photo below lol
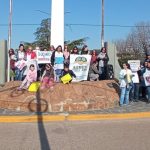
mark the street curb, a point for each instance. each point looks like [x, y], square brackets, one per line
[82, 117]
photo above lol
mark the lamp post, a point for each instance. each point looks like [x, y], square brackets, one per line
[102, 31]
[9, 39]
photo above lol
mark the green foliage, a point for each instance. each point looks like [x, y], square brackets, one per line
[43, 32]
[79, 42]
[42, 36]
[124, 57]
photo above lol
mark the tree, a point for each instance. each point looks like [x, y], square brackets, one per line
[43, 34]
[135, 46]
[42, 37]
[79, 42]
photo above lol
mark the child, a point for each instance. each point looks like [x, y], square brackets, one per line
[47, 79]
[30, 77]
[66, 71]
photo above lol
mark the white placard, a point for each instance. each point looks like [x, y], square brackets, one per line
[80, 64]
[43, 57]
[134, 65]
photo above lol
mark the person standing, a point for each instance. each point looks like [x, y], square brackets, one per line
[75, 50]
[125, 84]
[146, 77]
[103, 60]
[134, 93]
[84, 50]
[94, 56]
[66, 54]
[57, 60]
[30, 54]
[142, 82]
[20, 64]
[12, 63]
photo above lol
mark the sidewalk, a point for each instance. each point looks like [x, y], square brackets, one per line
[131, 108]
[133, 111]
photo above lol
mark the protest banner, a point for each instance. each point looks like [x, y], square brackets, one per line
[80, 64]
[20, 64]
[134, 65]
[43, 57]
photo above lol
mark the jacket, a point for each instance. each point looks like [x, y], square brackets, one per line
[31, 75]
[125, 77]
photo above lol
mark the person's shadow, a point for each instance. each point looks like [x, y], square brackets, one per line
[42, 133]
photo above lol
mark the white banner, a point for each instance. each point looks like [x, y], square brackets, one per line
[80, 64]
[134, 65]
[43, 57]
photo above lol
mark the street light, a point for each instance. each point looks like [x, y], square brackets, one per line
[102, 32]
[9, 39]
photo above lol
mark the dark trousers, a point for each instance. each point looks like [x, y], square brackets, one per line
[134, 93]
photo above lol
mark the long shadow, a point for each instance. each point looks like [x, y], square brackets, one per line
[42, 133]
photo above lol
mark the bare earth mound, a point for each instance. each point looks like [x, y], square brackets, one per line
[80, 96]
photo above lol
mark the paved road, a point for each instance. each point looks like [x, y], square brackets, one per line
[89, 135]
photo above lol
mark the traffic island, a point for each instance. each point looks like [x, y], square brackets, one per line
[74, 97]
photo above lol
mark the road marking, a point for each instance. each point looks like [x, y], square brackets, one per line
[84, 117]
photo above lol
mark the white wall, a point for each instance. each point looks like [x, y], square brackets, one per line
[3, 60]
[113, 59]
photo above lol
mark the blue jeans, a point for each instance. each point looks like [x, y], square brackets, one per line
[19, 74]
[102, 73]
[124, 97]
[58, 74]
[135, 91]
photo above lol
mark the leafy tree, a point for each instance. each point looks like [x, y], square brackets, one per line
[135, 46]
[79, 42]
[42, 37]
[43, 32]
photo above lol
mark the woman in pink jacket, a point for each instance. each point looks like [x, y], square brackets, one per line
[30, 77]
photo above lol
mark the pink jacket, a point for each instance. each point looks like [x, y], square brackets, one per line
[32, 75]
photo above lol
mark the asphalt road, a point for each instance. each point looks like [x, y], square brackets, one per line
[87, 135]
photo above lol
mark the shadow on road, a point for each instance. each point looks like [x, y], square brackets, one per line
[42, 133]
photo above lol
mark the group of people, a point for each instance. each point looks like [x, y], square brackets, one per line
[135, 84]
[56, 68]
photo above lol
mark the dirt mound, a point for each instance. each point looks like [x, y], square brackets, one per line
[79, 96]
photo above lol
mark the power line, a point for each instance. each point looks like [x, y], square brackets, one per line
[71, 24]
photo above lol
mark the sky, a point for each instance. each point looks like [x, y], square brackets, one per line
[117, 12]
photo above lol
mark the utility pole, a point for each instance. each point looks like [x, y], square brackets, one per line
[102, 32]
[9, 39]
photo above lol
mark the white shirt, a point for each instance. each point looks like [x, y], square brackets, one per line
[122, 74]
[135, 77]
[59, 60]
[21, 55]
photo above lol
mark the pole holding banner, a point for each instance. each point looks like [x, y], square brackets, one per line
[9, 39]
